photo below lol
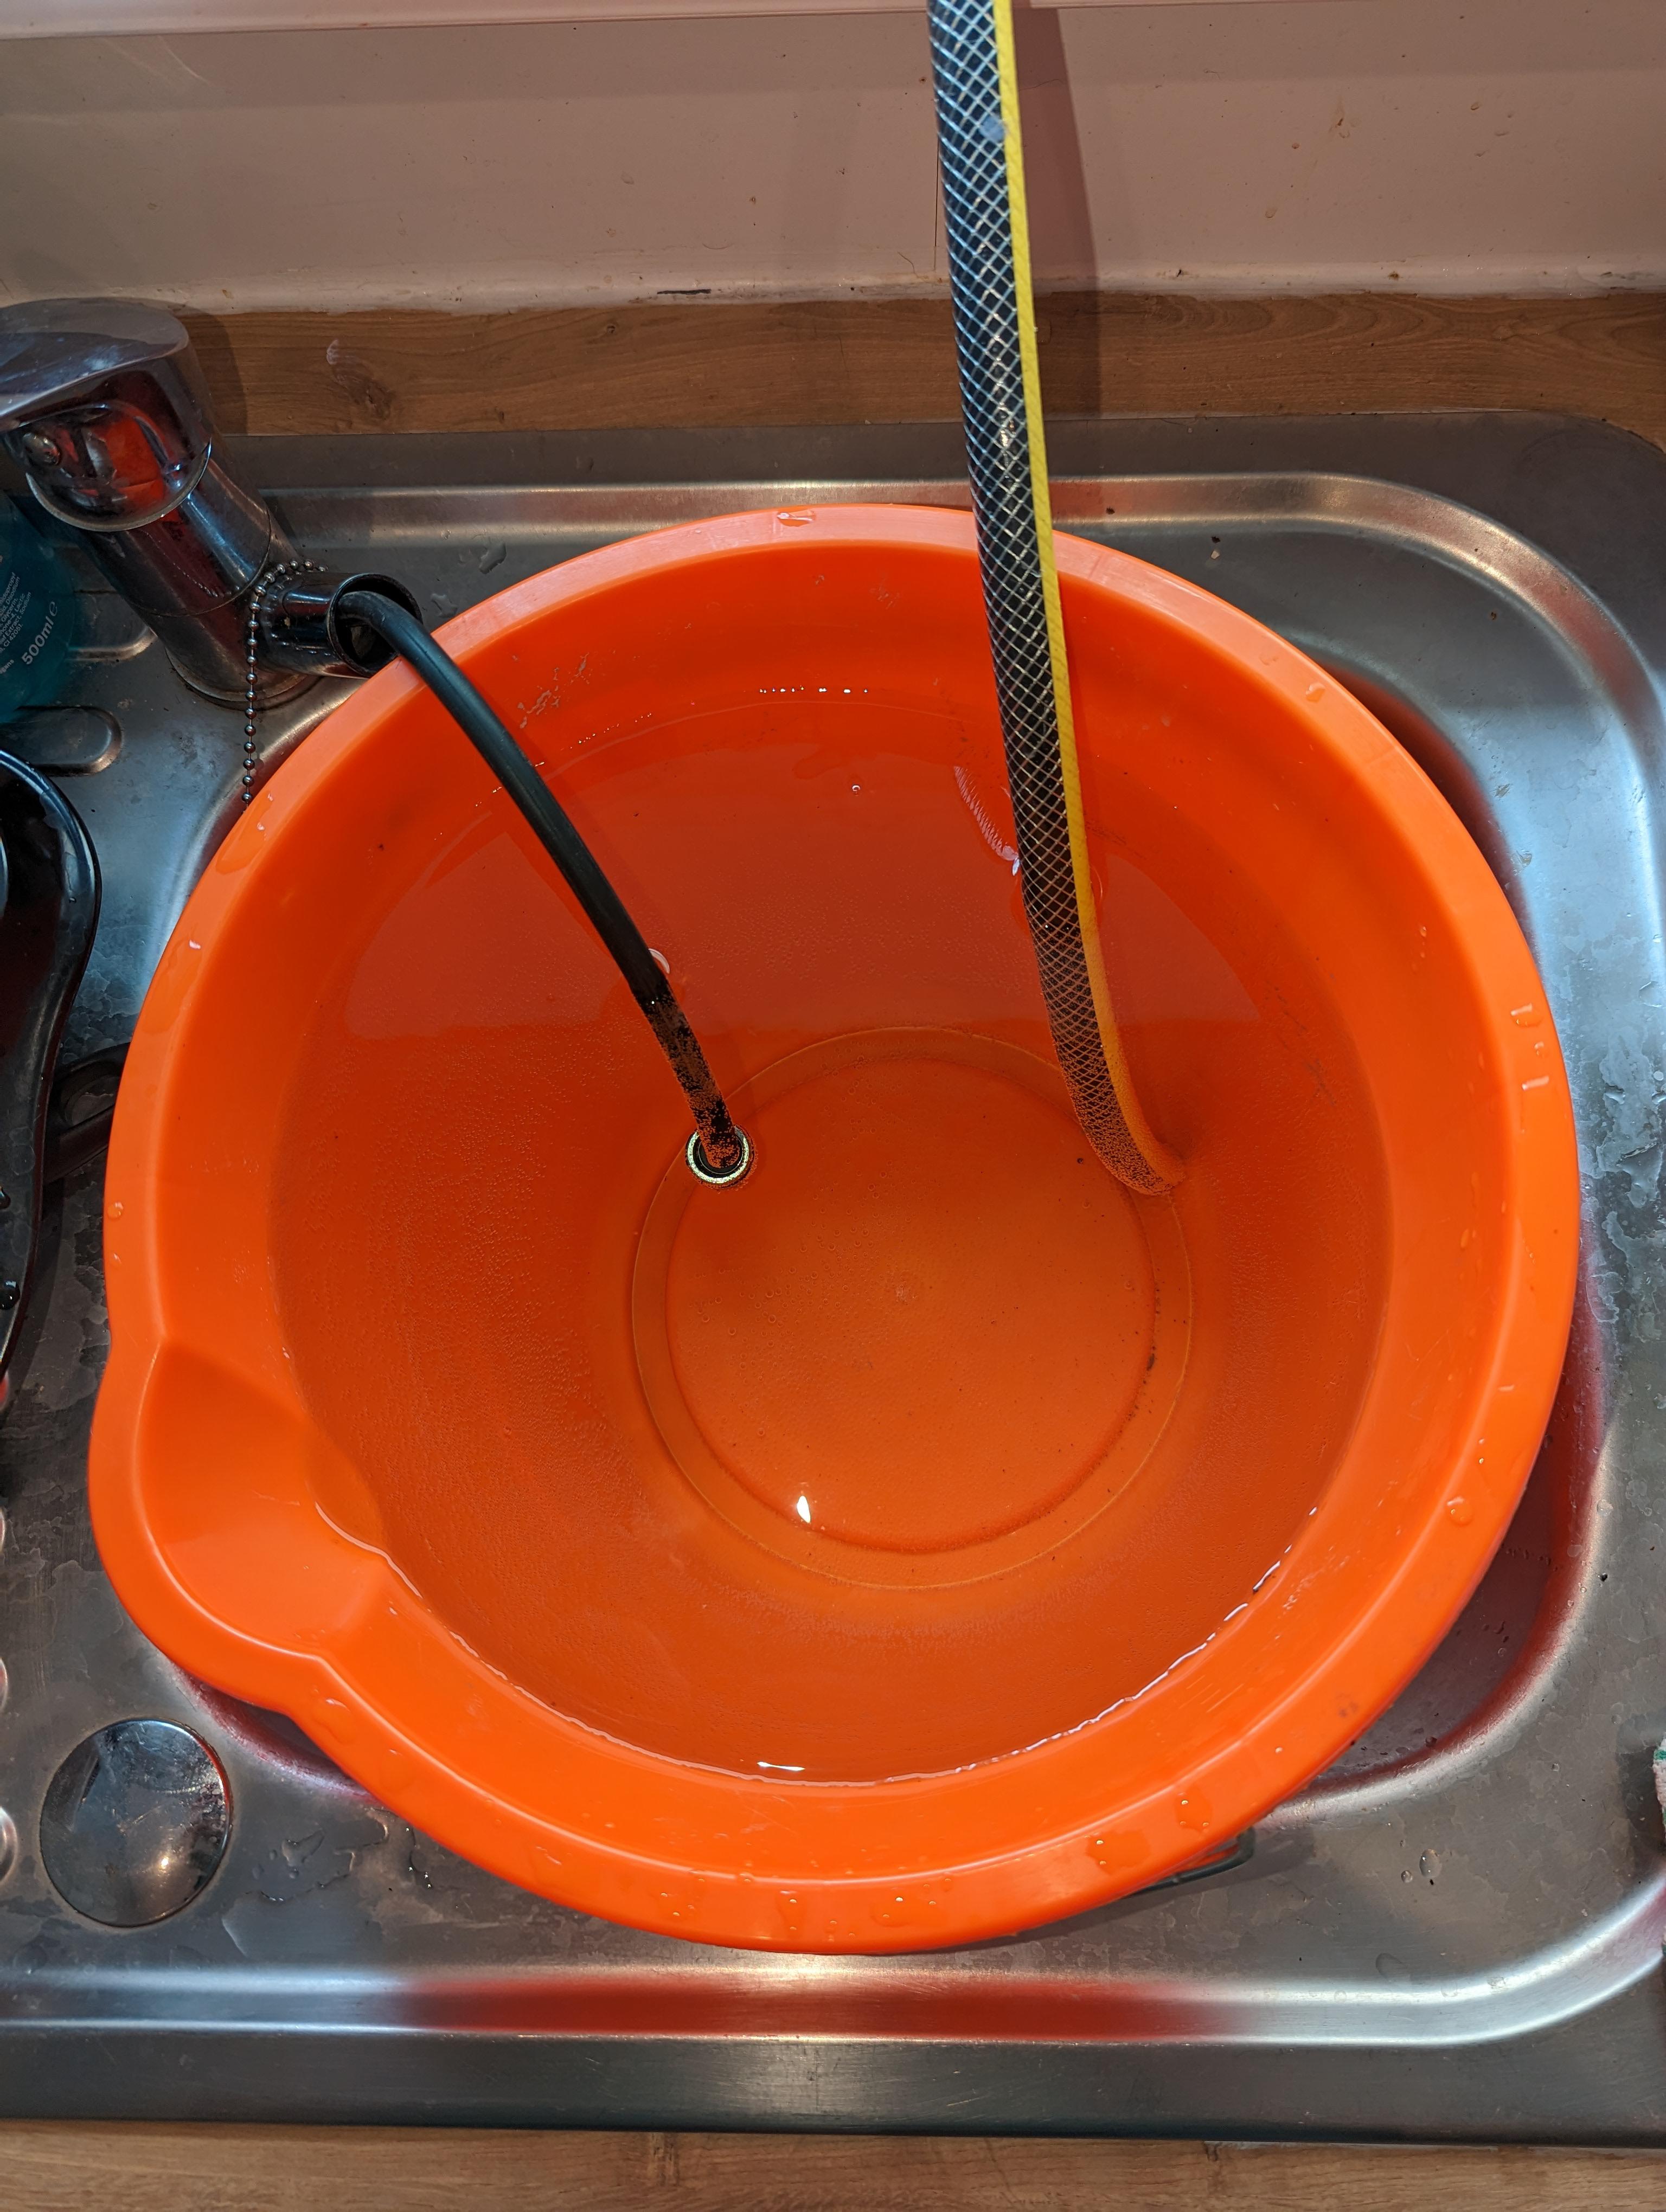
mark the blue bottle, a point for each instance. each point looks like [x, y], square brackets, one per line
[39, 620]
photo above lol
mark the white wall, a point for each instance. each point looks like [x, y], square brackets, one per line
[1457, 145]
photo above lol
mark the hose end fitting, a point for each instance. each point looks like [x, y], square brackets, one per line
[303, 623]
[719, 1178]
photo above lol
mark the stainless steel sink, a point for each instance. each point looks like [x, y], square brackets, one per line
[1457, 1931]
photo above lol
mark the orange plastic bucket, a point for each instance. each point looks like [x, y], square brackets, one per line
[927, 1538]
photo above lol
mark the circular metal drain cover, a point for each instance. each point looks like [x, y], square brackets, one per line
[134, 1822]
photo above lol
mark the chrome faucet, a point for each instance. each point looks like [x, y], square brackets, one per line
[103, 406]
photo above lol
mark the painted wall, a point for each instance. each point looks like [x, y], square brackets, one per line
[1454, 145]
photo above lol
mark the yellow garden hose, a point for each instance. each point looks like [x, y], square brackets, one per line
[981, 151]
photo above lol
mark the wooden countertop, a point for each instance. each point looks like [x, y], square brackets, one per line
[157, 2168]
[851, 360]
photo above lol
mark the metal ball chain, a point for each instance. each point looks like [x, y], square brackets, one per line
[251, 640]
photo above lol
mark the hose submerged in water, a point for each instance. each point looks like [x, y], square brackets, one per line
[982, 157]
[718, 1152]
[981, 153]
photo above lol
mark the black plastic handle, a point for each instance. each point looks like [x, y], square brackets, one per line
[49, 879]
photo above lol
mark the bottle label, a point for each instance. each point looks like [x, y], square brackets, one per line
[18, 607]
[15, 596]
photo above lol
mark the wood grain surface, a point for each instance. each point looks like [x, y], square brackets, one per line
[155, 2168]
[857, 361]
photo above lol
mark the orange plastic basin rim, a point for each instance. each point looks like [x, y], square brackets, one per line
[1017, 1686]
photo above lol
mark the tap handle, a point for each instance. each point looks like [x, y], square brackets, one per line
[103, 406]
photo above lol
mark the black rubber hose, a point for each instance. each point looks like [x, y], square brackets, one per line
[724, 1150]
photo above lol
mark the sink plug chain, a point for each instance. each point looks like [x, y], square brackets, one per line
[252, 672]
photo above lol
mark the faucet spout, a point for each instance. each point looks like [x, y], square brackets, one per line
[103, 406]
